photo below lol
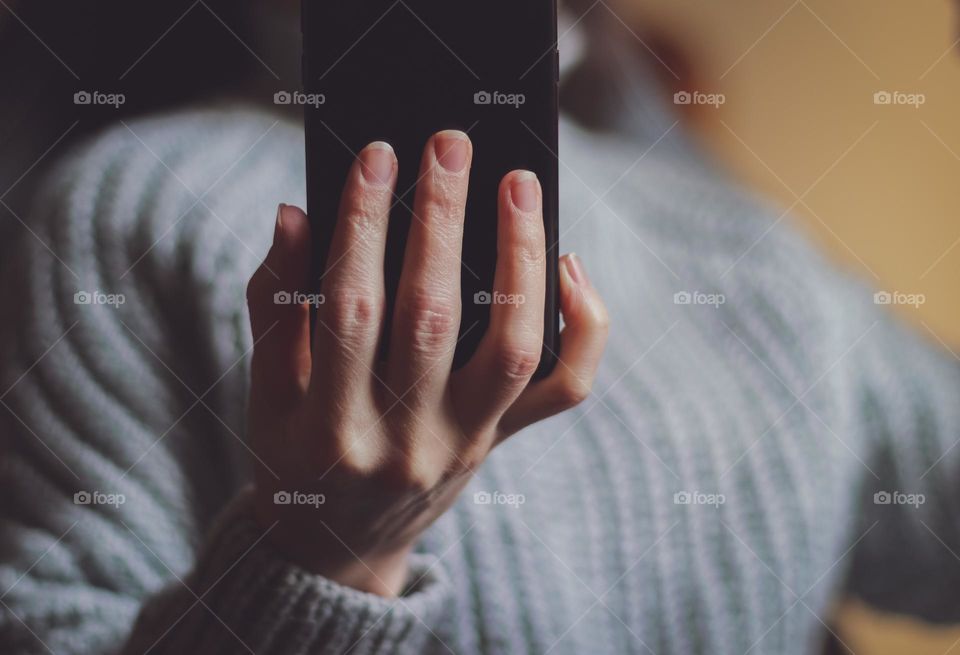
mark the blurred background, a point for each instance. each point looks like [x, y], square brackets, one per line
[875, 183]
[799, 80]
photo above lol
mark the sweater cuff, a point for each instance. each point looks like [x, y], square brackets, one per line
[252, 598]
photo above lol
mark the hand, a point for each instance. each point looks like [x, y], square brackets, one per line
[387, 446]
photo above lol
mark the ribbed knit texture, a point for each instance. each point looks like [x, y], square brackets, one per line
[797, 399]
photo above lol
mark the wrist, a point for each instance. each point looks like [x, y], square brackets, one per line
[385, 575]
[316, 549]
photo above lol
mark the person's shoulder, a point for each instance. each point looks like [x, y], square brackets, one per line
[148, 228]
[670, 198]
[174, 209]
[189, 148]
[667, 228]
[171, 189]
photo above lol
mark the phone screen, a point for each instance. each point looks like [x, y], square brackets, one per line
[401, 70]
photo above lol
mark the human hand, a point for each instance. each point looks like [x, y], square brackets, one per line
[388, 446]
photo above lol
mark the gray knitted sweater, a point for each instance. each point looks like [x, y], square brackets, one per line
[762, 437]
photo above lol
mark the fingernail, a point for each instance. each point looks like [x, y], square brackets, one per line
[278, 227]
[377, 161]
[576, 270]
[524, 191]
[452, 149]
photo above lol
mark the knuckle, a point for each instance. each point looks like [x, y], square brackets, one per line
[527, 248]
[349, 464]
[444, 199]
[351, 311]
[602, 319]
[364, 211]
[406, 477]
[571, 391]
[526, 253]
[467, 462]
[529, 253]
[430, 320]
[343, 446]
[517, 361]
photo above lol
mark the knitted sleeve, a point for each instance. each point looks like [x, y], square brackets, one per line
[908, 559]
[123, 359]
[883, 396]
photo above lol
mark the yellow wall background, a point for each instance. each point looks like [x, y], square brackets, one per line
[878, 185]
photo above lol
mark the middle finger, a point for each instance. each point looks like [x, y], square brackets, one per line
[427, 316]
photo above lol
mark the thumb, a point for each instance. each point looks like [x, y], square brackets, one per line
[279, 318]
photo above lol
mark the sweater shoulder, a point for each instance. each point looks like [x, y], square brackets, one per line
[140, 245]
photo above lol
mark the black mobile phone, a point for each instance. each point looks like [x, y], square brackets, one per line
[401, 70]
